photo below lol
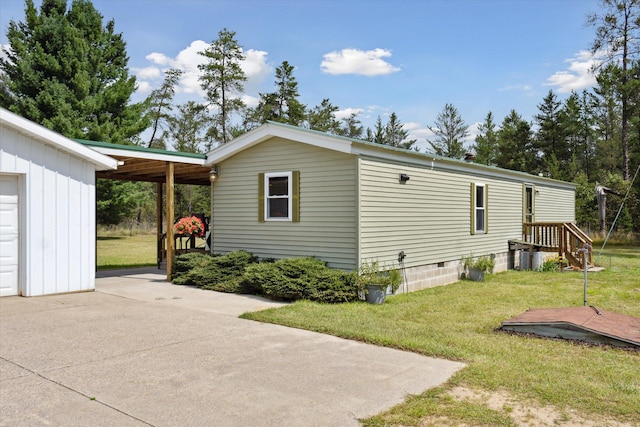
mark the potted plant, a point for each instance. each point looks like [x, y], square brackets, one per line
[476, 268]
[376, 281]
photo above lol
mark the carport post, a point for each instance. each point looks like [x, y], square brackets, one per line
[159, 205]
[170, 214]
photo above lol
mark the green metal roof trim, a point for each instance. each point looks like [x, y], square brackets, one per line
[139, 149]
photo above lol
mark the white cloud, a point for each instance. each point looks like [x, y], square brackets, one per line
[347, 112]
[354, 61]
[144, 87]
[148, 72]
[250, 101]
[158, 58]
[255, 67]
[578, 76]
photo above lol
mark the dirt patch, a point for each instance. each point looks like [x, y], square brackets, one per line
[531, 414]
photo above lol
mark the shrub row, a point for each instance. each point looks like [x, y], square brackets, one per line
[288, 279]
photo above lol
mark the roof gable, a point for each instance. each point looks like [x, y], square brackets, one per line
[46, 136]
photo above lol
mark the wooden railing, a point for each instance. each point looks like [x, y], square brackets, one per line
[564, 238]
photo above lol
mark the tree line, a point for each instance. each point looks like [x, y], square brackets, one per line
[67, 70]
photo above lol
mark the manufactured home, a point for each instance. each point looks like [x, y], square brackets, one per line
[283, 191]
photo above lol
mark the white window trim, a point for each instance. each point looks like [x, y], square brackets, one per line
[483, 230]
[289, 196]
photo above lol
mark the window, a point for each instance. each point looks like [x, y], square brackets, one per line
[278, 196]
[479, 209]
[528, 203]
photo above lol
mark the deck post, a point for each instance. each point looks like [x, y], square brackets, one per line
[170, 214]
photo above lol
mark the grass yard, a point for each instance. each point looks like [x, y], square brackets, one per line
[510, 380]
[120, 250]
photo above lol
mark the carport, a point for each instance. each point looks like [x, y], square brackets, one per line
[162, 167]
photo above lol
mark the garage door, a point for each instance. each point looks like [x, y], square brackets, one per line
[8, 235]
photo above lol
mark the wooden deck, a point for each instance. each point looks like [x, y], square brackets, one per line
[579, 323]
[565, 239]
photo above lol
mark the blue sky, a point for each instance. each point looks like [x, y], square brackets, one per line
[368, 56]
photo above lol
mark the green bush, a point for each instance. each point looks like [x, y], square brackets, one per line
[189, 268]
[223, 273]
[334, 286]
[292, 279]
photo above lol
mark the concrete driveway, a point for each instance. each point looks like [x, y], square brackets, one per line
[140, 351]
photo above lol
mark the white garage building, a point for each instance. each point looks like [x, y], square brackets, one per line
[47, 209]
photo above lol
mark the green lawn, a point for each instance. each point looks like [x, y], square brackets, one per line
[120, 250]
[459, 321]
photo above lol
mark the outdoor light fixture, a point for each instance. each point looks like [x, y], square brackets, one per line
[213, 173]
[404, 178]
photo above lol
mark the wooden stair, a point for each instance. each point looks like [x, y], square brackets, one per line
[565, 239]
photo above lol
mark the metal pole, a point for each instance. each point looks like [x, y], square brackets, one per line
[585, 252]
[585, 276]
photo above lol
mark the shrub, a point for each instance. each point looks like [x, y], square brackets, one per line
[292, 279]
[552, 264]
[334, 286]
[190, 268]
[223, 273]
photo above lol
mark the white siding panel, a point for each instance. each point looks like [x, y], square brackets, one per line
[327, 227]
[57, 213]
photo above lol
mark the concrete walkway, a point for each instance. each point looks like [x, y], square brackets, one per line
[140, 351]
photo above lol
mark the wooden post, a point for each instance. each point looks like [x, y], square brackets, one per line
[159, 223]
[170, 214]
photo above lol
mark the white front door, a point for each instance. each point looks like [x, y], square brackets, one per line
[8, 235]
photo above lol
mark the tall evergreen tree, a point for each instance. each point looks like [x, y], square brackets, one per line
[449, 132]
[618, 35]
[377, 134]
[396, 135]
[159, 106]
[351, 127]
[550, 139]
[188, 128]
[607, 119]
[282, 105]
[515, 145]
[223, 79]
[68, 72]
[578, 124]
[392, 133]
[486, 143]
[322, 118]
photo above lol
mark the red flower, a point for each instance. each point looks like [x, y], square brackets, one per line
[190, 225]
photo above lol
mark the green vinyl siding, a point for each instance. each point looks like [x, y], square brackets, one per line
[554, 204]
[327, 204]
[429, 217]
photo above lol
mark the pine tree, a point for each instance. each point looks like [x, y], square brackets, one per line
[486, 143]
[515, 145]
[159, 106]
[282, 105]
[618, 35]
[68, 72]
[550, 139]
[351, 127]
[449, 131]
[223, 79]
[322, 118]
[396, 135]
